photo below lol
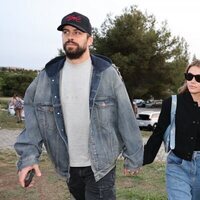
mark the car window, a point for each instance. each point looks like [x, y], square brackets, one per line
[143, 116]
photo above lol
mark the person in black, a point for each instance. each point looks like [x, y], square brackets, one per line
[183, 162]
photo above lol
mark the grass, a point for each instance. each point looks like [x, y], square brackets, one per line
[6, 120]
[49, 186]
[9, 122]
[149, 184]
[146, 134]
[4, 102]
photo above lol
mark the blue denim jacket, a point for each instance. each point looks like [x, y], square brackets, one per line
[113, 127]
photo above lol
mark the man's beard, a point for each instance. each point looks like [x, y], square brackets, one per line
[75, 53]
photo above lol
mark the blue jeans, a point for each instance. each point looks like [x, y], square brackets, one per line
[83, 186]
[183, 177]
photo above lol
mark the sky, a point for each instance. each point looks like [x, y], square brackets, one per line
[29, 36]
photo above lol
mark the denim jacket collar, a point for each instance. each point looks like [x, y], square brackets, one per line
[99, 62]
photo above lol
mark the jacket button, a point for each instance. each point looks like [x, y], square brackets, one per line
[55, 97]
[191, 138]
[52, 80]
[193, 122]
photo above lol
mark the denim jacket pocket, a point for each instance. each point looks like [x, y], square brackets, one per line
[52, 140]
[105, 110]
[45, 114]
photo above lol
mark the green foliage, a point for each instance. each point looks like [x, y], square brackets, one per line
[15, 81]
[147, 57]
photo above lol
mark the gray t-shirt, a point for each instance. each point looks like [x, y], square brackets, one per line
[75, 88]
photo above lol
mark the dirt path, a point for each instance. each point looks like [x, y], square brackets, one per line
[8, 138]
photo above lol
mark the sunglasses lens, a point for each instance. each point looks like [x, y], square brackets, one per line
[197, 78]
[188, 76]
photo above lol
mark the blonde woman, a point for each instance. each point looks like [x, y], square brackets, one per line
[183, 162]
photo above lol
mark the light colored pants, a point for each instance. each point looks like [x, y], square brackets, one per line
[183, 177]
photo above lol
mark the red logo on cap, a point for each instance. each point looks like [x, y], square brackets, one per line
[73, 18]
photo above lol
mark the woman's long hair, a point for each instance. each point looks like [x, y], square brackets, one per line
[184, 87]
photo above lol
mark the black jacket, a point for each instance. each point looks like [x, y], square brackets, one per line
[187, 121]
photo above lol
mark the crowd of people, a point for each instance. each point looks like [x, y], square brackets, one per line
[78, 107]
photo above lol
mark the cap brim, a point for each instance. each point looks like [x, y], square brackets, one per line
[60, 28]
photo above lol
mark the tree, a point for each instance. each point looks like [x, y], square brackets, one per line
[61, 52]
[16, 82]
[148, 57]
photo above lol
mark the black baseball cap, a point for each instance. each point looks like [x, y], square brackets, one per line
[77, 20]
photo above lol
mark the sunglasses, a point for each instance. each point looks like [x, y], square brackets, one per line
[189, 77]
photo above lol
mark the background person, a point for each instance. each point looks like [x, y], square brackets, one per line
[183, 163]
[17, 102]
[79, 108]
[135, 108]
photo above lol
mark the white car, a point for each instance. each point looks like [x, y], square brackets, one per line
[148, 119]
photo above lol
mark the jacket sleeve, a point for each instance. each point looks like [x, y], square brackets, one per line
[154, 142]
[128, 128]
[29, 143]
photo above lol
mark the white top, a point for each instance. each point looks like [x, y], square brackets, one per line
[74, 90]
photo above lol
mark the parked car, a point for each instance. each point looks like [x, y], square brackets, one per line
[147, 120]
[154, 103]
[139, 102]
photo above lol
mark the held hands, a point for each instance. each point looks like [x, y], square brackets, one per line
[23, 173]
[131, 172]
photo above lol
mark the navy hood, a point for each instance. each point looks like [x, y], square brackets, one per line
[99, 62]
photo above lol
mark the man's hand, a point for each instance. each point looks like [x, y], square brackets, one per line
[132, 172]
[22, 174]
